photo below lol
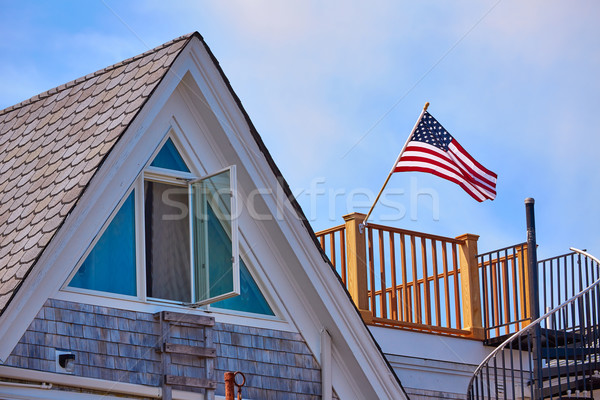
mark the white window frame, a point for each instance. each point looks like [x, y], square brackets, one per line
[172, 177]
[235, 256]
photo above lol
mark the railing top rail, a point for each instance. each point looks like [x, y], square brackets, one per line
[560, 256]
[501, 250]
[533, 324]
[330, 230]
[414, 233]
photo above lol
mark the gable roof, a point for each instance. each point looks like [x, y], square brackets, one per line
[53, 143]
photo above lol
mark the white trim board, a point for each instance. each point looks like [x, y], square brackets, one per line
[222, 316]
[25, 391]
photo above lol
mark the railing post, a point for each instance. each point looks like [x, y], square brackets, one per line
[356, 257]
[469, 279]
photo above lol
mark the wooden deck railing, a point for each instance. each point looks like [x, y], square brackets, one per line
[413, 277]
[333, 241]
[415, 280]
[408, 279]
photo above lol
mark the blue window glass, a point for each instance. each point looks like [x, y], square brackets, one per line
[110, 266]
[250, 299]
[168, 157]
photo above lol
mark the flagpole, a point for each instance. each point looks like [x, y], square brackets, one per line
[364, 223]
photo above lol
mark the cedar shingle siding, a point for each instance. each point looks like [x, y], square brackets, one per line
[119, 345]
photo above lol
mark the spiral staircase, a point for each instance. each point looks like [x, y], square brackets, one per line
[556, 356]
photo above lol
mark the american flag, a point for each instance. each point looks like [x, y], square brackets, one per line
[432, 149]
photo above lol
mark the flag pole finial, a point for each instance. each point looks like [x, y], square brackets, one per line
[426, 106]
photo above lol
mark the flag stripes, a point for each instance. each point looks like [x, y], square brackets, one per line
[433, 150]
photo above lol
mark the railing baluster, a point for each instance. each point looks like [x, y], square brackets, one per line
[495, 301]
[436, 283]
[505, 287]
[485, 289]
[332, 248]
[383, 298]
[405, 294]
[343, 266]
[523, 282]
[426, 297]
[515, 296]
[371, 270]
[394, 296]
[551, 284]
[416, 291]
[446, 284]
[456, 268]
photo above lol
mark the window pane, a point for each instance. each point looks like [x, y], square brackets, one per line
[168, 157]
[167, 241]
[216, 275]
[110, 266]
[250, 299]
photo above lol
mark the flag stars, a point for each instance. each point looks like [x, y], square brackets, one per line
[432, 132]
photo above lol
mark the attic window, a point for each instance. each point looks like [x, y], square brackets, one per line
[169, 158]
[188, 251]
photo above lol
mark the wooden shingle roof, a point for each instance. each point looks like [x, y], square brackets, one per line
[53, 143]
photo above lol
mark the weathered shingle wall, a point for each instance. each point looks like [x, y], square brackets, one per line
[119, 345]
[277, 365]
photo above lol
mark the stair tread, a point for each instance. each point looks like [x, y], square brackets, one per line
[583, 383]
[571, 368]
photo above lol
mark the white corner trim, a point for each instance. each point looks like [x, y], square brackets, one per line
[326, 369]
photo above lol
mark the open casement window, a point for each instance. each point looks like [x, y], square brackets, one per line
[215, 237]
[187, 234]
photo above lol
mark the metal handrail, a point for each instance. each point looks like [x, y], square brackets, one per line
[534, 324]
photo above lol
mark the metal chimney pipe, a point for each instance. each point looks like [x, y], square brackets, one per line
[532, 259]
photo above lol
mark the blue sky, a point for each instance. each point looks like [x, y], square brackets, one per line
[334, 89]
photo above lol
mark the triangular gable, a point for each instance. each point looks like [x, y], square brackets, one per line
[298, 272]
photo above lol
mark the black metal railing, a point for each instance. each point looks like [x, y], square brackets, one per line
[562, 277]
[557, 356]
[502, 280]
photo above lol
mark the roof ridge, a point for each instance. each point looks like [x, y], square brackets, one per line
[84, 78]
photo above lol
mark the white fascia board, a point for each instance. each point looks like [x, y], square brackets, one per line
[110, 182]
[348, 323]
[430, 346]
